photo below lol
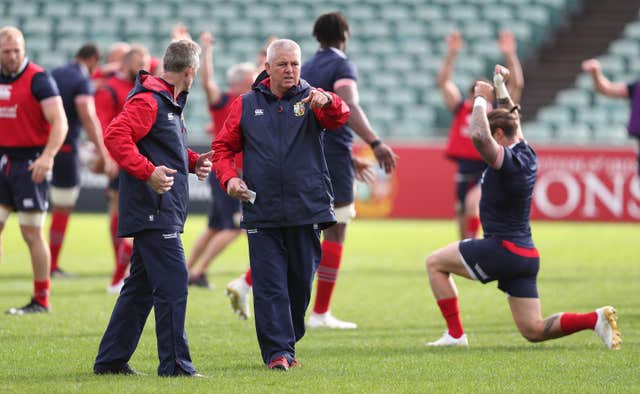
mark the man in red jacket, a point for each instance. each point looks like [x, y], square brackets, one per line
[148, 140]
[285, 189]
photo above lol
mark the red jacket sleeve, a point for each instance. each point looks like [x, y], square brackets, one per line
[334, 115]
[193, 158]
[129, 127]
[228, 142]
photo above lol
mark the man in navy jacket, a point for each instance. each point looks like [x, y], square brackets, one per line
[286, 192]
[148, 141]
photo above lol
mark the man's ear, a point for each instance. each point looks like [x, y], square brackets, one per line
[267, 68]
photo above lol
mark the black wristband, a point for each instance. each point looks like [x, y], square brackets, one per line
[375, 144]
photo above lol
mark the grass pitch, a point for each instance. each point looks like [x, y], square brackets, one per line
[382, 286]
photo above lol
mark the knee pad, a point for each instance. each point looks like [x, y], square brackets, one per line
[64, 196]
[32, 218]
[346, 214]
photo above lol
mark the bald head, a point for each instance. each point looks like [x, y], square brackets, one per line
[12, 51]
[117, 51]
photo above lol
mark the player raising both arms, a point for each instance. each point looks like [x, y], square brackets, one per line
[507, 252]
[459, 146]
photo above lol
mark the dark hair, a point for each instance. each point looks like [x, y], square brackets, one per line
[88, 51]
[330, 28]
[503, 119]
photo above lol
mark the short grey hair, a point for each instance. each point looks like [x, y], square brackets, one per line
[181, 54]
[239, 72]
[284, 44]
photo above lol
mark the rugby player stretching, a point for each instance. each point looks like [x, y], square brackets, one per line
[507, 253]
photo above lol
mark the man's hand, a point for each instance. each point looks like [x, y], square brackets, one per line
[364, 170]
[207, 40]
[40, 167]
[500, 74]
[236, 188]
[455, 42]
[507, 42]
[160, 179]
[180, 32]
[591, 66]
[317, 99]
[483, 89]
[385, 157]
[203, 165]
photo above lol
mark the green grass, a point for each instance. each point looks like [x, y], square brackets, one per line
[382, 286]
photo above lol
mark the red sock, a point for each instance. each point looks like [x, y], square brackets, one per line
[473, 225]
[41, 291]
[451, 313]
[124, 258]
[574, 322]
[113, 230]
[247, 277]
[57, 230]
[327, 275]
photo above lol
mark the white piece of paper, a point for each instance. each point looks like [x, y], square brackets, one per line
[252, 196]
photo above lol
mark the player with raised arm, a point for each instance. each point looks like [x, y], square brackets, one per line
[459, 146]
[630, 91]
[76, 89]
[507, 252]
[225, 212]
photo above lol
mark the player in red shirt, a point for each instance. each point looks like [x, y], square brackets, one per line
[225, 212]
[33, 127]
[459, 146]
[110, 99]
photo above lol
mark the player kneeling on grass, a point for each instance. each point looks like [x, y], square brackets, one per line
[507, 253]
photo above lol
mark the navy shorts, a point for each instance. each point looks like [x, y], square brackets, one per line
[17, 190]
[225, 212]
[468, 176]
[66, 169]
[114, 183]
[343, 175]
[514, 267]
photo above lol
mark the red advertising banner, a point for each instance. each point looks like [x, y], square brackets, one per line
[575, 183]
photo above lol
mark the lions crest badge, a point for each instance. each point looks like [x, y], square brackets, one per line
[298, 108]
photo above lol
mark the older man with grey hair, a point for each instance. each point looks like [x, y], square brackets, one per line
[285, 189]
[149, 143]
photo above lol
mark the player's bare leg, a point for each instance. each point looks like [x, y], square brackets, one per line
[472, 212]
[199, 246]
[440, 265]
[4, 215]
[327, 274]
[528, 318]
[212, 249]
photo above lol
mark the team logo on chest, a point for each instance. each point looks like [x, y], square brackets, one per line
[298, 108]
[5, 92]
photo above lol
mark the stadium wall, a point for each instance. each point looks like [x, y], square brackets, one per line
[574, 183]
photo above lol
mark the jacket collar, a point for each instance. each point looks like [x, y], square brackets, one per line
[148, 82]
[263, 84]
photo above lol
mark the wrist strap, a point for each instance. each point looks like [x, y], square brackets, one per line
[374, 144]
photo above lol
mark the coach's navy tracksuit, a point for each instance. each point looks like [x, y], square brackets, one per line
[148, 133]
[283, 162]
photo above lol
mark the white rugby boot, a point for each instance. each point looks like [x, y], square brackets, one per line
[448, 340]
[238, 292]
[607, 327]
[326, 320]
[115, 289]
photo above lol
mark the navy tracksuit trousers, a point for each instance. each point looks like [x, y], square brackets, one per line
[283, 263]
[158, 279]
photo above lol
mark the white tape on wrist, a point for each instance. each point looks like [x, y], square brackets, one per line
[501, 88]
[480, 102]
